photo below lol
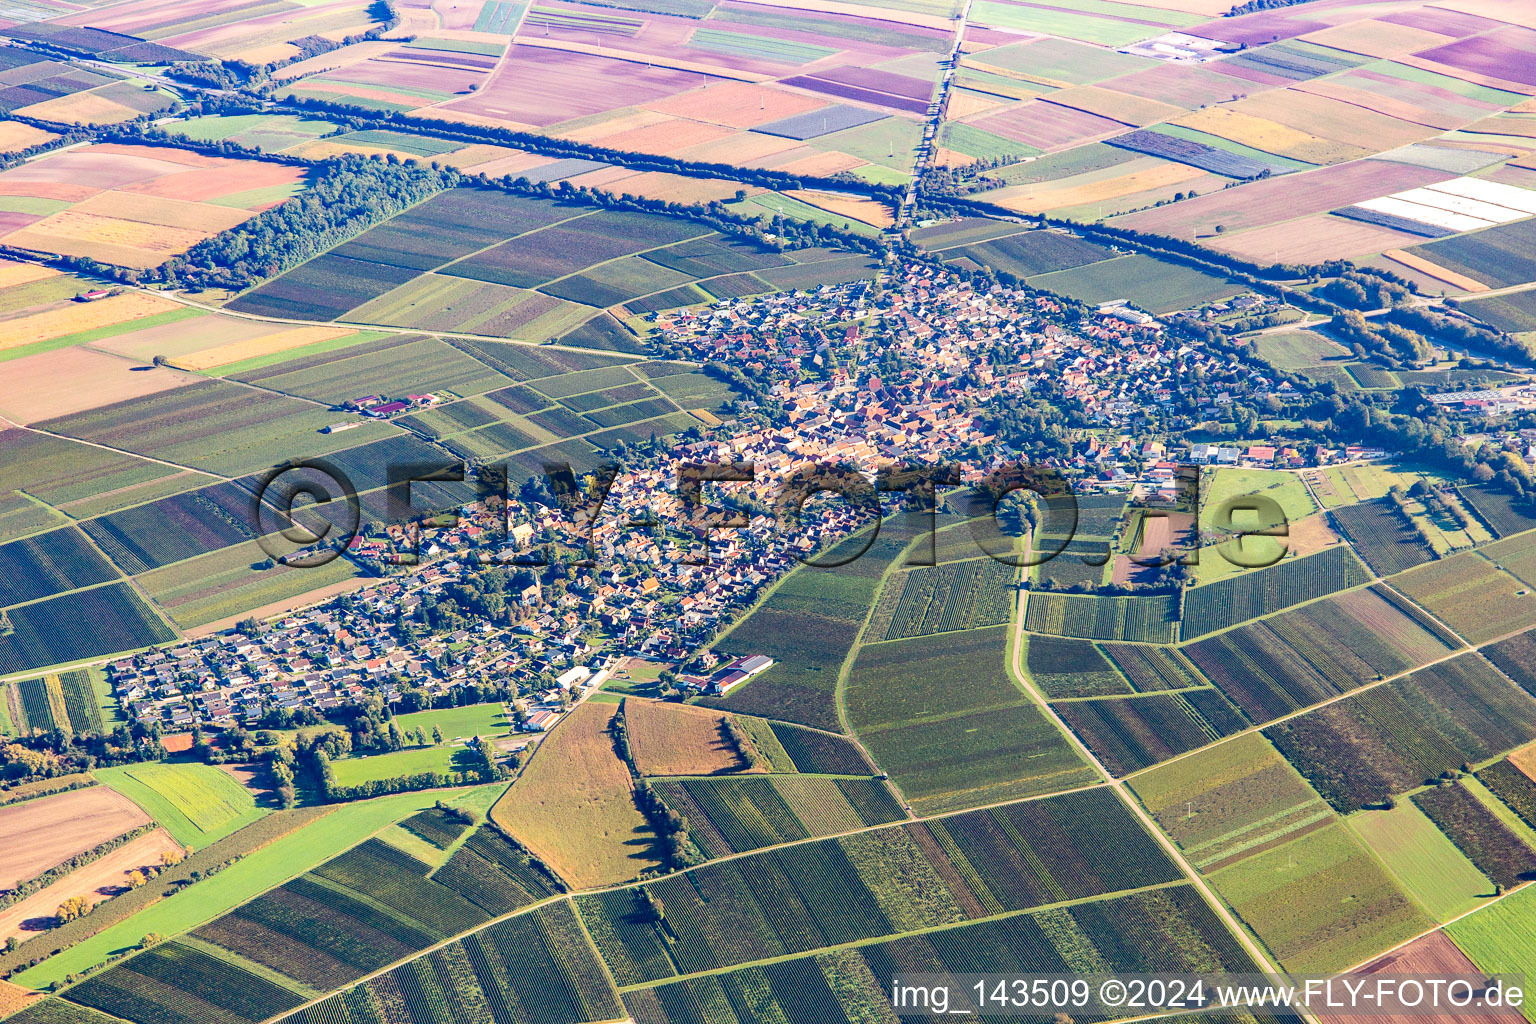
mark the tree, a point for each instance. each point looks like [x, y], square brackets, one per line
[136, 879]
[437, 736]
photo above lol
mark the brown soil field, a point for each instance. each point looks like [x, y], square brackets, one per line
[746, 148]
[586, 129]
[15, 136]
[280, 341]
[158, 210]
[1435, 271]
[41, 833]
[46, 189]
[661, 185]
[677, 739]
[1377, 38]
[14, 998]
[1525, 760]
[1313, 239]
[184, 337]
[255, 778]
[1118, 106]
[336, 59]
[664, 137]
[826, 164]
[1400, 109]
[574, 805]
[13, 272]
[866, 210]
[1310, 535]
[1433, 955]
[108, 239]
[227, 178]
[963, 103]
[735, 104]
[71, 380]
[97, 881]
[81, 108]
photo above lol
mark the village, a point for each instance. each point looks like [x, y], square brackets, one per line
[653, 578]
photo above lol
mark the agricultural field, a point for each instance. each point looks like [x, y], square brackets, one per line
[1072, 668]
[815, 752]
[1236, 599]
[136, 206]
[68, 702]
[883, 882]
[79, 626]
[937, 599]
[740, 814]
[198, 804]
[1499, 939]
[914, 703]
[1497, 851]
[1144, 619]
[1393, 737]
[842, 986]
[574, 807]
[1469, 593]
[674, 739]
[182, 978]
[50, 830]
[1423, 860]
[1144, 281]
[1282, 664]
[1320, 902]
[1128, 734]
[1382, 536]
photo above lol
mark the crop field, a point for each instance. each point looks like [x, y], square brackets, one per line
[1425, 863]
[740, 814]
[1511, 784]
[136, 206]
[51, 829]
[1516, 658]
[49, 563]
[820, 753]
[1153, 668]
[1027, 253]
[1498, 256]
[1382, 536]
[1393, 737]
[843, 987]
[1231, 801]
[1495, 849]
[536, 967]
[1145, 619]
[172, 529]
[1152, 284]
[1320, 902]
[1236, 599]
[891, 880]
[78, 626]
[351, 915]
[1071, 668]
[495, 874]
[808, 626]
[1472, 595]
[221, 427]
[220, 585]
[66, 701]
[573, 806]
[179, 980]
[942, 598]
[401, 365]
[1128, 734]
[198, 804]
[1298, 658]
[908, 700]
[1497, 510]
[674, 739]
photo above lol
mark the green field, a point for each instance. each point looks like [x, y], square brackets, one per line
[197, 803]
[1424, 861]
[457, 726]
[252, 875]
[1501, 938]
[461, 723]
[1145, 281]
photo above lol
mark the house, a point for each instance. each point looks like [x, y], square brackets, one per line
[540, 721]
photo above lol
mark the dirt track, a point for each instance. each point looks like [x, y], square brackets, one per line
[38, 834]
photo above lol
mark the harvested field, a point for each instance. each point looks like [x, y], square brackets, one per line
[15, 136]
[675, 739]
[99, 880]
[1258, 203]
[1118, 106]
[1315, 239]
[1269, 136]
[1141, 175]
[1047, 126]
[44, 832]
[574, 805]
[77, 318]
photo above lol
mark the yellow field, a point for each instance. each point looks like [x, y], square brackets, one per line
[282, 341]
[1343, 123]
[1377, 38]
[15, 136]
[81, 108]
[324, 149]
[963, 103]
[1040, 197]
[1434, 270]
[1117, 106]
[480, 153]
[860, 11]
[204, 218]
[82, 316]
[124, 242]
[866, 210]
[589, 129]
[677, 187]
[823, 164]
[12, 273]
[1270, 136]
